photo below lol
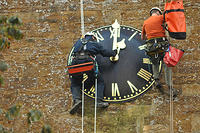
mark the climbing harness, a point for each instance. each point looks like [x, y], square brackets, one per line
[82, 61]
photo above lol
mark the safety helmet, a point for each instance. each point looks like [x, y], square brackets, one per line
[89, 34]
[155, 8]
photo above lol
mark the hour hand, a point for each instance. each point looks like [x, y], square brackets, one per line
[119, 45]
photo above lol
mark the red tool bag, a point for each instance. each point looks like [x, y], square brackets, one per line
[80, 68]
[175, 19]
[172, 56]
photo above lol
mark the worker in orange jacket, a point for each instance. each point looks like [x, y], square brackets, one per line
[156, 45]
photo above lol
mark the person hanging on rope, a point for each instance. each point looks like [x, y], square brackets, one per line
[85, 50]
[156, 45]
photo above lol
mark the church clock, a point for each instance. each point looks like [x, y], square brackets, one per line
[130, 74]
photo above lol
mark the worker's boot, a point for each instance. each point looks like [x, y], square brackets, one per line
[75, 107]
[101, 104]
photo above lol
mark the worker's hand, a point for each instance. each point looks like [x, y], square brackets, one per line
[142, 47]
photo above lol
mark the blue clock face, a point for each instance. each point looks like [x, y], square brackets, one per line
[128, 77]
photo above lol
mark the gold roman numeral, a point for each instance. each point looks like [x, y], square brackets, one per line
[133, 88]
[115, 90]
[144, 74]
[92, 89]
[98, 36]
[112, 32]
[85, 77]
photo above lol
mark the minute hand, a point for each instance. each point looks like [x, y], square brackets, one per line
[117, 45]
[116, 33]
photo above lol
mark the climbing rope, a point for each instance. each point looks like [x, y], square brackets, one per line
[83, 106]
[82, 18]
[83, 32]
[171, 104]
[171, 98]
[95, 108]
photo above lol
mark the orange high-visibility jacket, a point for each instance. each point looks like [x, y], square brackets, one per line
[153, 28]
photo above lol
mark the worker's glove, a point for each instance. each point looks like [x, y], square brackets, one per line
[114, 58]
[142, 47]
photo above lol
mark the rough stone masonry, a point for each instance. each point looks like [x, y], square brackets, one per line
[37, 79]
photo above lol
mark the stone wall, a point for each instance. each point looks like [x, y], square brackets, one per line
[36, 77]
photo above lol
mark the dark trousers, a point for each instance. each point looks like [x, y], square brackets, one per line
[156, 57]
[76, 85]
[167, 72]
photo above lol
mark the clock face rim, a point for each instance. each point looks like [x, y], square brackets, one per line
[130, 98]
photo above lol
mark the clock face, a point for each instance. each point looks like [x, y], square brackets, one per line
[131, 75]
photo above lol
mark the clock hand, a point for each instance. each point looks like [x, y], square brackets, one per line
[116, 33]
[117, 45]
[120, 45]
